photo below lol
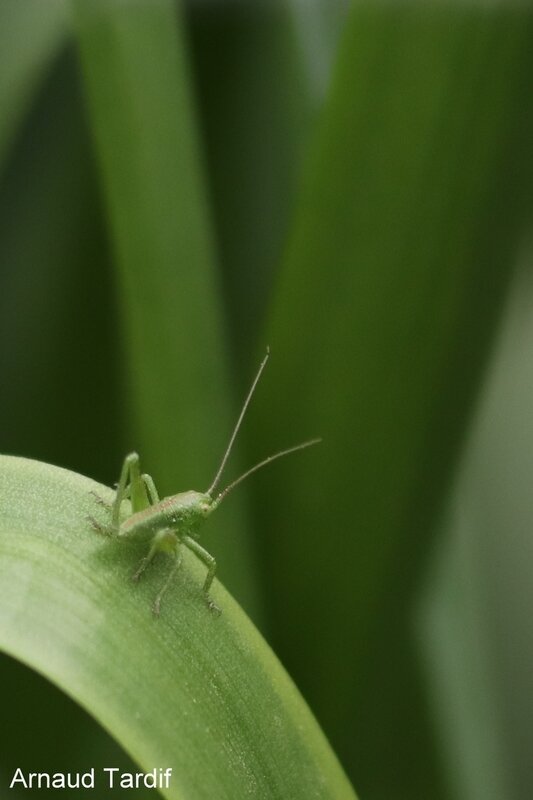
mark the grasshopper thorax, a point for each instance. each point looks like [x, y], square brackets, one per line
[188, 508]
[185, 511]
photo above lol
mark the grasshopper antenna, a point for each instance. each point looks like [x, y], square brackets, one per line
[238, 425]
[263, 463]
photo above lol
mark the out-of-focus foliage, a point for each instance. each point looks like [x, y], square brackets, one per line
[349, 184]
[475, 621]
[30, 35]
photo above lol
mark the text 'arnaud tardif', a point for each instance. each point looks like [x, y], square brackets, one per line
[111, 777]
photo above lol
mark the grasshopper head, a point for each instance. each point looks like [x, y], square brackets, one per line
[206, 504]
[187, 508]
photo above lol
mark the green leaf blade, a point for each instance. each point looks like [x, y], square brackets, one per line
[200, 693]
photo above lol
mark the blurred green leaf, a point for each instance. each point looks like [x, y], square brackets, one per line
[58, 401]
[194, 691]
[52, 255]
[476, 613]
[318, 25]
[31, 34]
[460, 673]
[255, 105]
[409, 218]
[173, 335]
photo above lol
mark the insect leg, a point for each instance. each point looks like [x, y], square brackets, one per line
[101, 527]
[100, 500]
[150, 488]
[130, 484]
[207, 559]
[164, 541]
[156, 608]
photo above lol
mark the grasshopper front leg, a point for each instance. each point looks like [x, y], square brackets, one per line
[207, 559]
[164, 541]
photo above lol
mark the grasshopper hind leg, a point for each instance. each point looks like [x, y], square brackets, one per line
[132, 485]
[149, 485]
[211, 565]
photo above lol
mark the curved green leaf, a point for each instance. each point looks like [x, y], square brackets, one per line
[193, 691]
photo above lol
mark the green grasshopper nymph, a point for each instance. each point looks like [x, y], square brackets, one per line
[175, 521]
